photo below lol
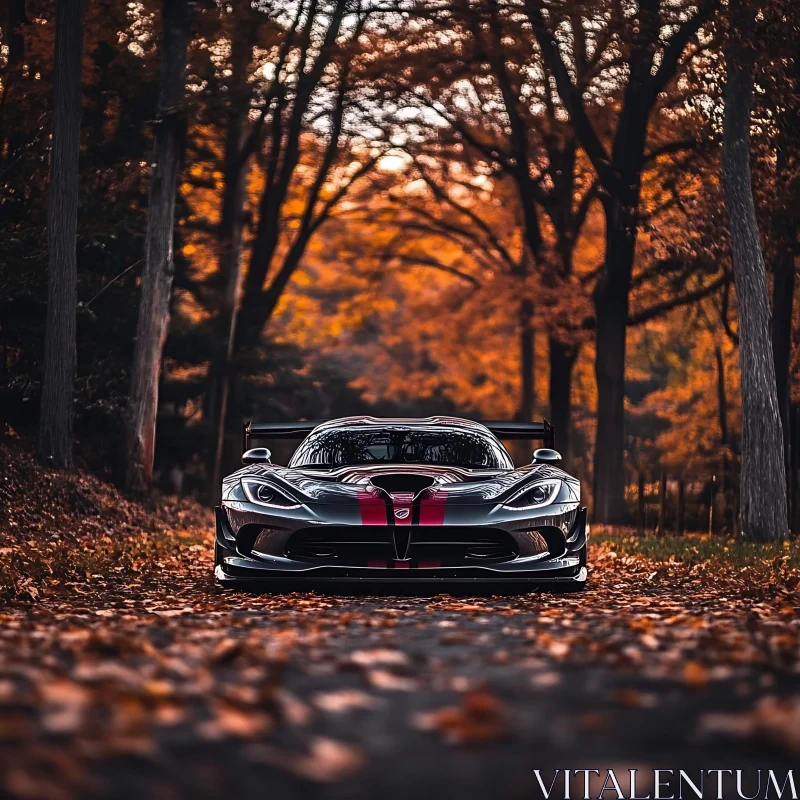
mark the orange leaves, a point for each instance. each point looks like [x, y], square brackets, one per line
[60, 529]
[385, 669]
[479, 718]
[327, 760]
[372, 658]
[695, 675]
[229, 721]
[633, 698]
[226, 651]
[64, 704]
[385, 679]
[774, 721]
[294, 686]
[688, 405]
[344, 700]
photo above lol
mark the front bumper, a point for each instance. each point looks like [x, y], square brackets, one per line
[239, 565]
[357, 575]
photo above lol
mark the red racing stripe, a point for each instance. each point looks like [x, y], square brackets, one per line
[431, 508]
[373, 508]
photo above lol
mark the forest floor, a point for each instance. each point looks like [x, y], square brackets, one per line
[126, 672]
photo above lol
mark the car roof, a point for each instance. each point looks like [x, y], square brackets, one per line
[405, 422]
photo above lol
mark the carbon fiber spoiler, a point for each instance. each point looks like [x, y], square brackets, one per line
[543, 430]
[264, 431]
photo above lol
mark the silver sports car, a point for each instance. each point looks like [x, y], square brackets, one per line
[366, 499]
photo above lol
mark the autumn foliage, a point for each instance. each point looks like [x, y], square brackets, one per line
[405, 209]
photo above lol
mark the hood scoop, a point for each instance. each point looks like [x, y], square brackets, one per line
[402, 482]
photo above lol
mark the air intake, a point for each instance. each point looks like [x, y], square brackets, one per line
[402, 482]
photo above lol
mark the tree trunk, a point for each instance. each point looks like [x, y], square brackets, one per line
[620, 174]
[527, 347]
[795, 465]
[230, 257]
[151, 331]
[230, 240]
[763, 484]
[562, 360]
[782, 312]
[611, 310]
[786, 224]
[230, 261]
[284, 158]
[55, 426]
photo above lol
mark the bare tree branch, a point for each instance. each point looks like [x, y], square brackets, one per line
[658, 309]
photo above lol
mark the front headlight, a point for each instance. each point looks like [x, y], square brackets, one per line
[541, 493]
[266, 494]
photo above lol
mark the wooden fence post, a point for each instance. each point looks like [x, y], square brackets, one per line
[662, 505]
[711, 500]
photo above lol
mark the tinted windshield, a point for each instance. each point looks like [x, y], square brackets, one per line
[340, 447]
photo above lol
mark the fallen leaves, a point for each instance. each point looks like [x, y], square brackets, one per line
[63, 529]
[151, 653]
[327, 760]
[344, 700]
[64, 706]
[633, 698]
[228, 721]
[371, 658]
[384, 679]
[384, 669]
[774, 720]
[695, 675]
[479, 718]
[546, 680]
[226, 650]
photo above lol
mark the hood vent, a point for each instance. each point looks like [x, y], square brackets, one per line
[402, 482]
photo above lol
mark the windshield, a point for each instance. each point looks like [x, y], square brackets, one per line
[341, 447]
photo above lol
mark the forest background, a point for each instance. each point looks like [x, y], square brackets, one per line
[494, 208]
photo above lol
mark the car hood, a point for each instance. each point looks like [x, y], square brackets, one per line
[346, 483]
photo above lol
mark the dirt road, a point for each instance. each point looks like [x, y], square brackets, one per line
[171, 687]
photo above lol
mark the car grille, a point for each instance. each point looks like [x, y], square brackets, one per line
[415, 546]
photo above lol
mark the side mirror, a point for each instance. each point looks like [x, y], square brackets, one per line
[544, 455]
[258, 455]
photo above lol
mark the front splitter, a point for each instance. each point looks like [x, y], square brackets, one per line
[344, 575]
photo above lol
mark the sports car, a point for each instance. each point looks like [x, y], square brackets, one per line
[430, 500]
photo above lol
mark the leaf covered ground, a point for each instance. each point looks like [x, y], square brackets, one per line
[125, 672]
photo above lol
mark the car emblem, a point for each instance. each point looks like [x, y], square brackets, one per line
[401, 513]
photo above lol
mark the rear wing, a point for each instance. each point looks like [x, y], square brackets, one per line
[265, 431]
[532, 431]
[268, 431]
